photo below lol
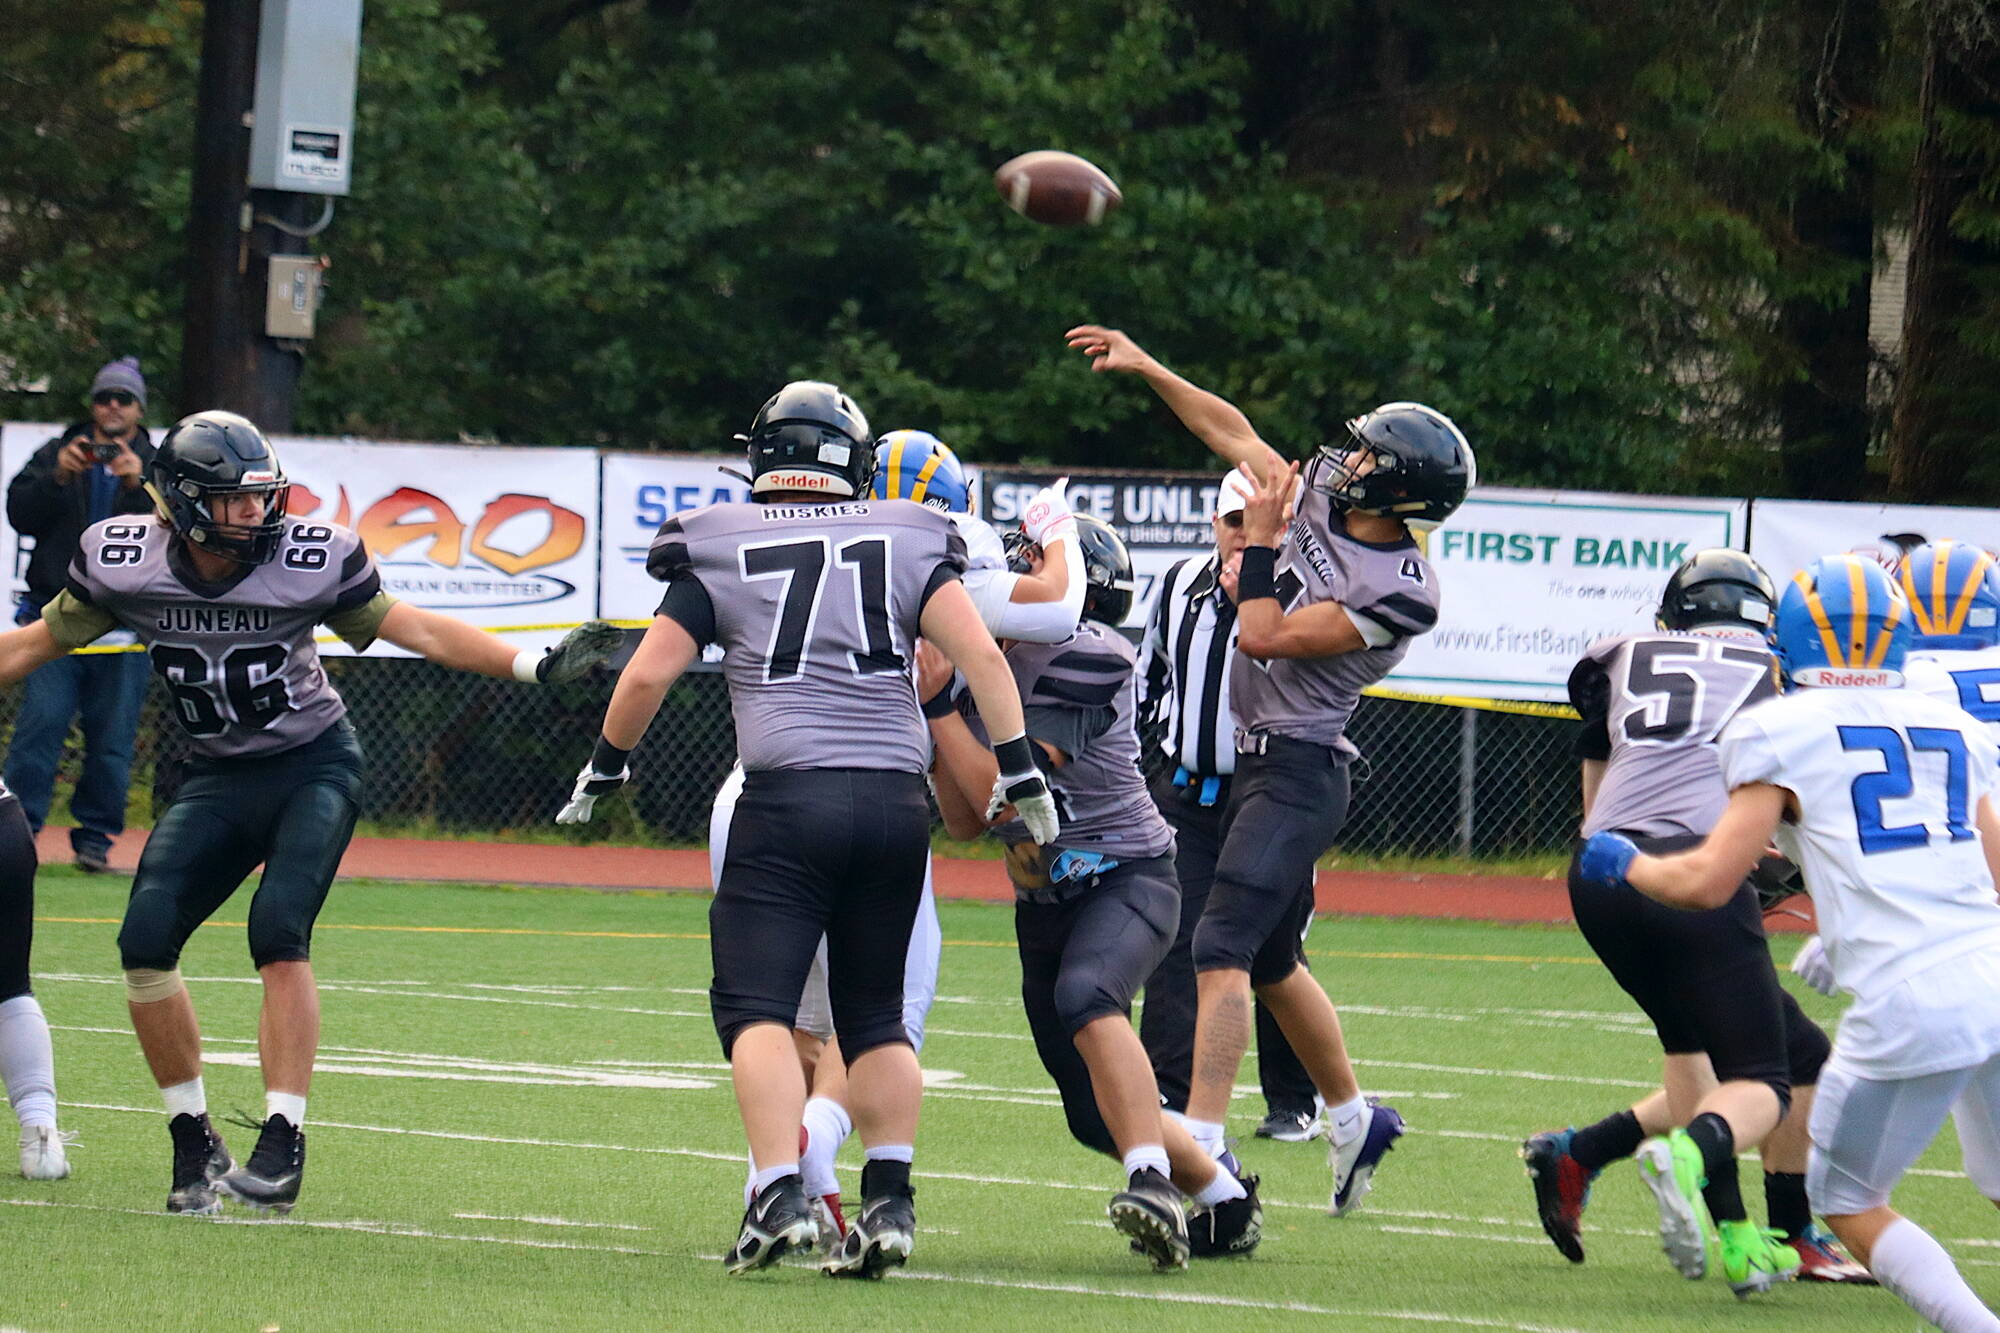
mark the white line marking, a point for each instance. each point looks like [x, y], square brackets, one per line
[471, 1071]
[1531, 1075]
[549, 1221]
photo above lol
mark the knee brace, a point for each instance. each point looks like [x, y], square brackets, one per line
[149, 985]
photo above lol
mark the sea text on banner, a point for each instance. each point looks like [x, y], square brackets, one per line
[640, 492]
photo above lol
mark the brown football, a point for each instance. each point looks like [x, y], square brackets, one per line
[1058, 189]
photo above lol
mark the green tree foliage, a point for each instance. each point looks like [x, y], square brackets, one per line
[1577, 228]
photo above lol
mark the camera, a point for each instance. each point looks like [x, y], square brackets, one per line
[104, 452]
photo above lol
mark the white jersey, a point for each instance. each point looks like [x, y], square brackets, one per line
[1887, 783]
[991, 586]
[1967, 678]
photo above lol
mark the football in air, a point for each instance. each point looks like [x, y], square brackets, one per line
[1057, 189]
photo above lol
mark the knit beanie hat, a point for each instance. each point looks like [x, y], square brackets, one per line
[121, 374]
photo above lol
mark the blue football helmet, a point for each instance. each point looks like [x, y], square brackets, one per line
[1841, 621]
[916, 465]
[1954, 593]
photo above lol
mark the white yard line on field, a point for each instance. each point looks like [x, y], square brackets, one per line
[534, 1220]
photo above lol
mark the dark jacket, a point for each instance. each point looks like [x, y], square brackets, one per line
[55, 515]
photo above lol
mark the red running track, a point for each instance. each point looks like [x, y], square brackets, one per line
[1338, 892]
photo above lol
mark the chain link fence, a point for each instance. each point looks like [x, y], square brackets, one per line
[451, 753]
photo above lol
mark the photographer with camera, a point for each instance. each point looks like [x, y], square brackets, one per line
[94, 470]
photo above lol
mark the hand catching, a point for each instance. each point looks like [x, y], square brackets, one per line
[588, 645]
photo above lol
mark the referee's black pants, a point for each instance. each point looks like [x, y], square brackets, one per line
[1166, 1025]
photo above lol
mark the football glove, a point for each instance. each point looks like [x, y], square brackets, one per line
[1048, 517]
[607, 771]
[1606, 857]
[589, 644]
[1021, 785]
[1812, 967]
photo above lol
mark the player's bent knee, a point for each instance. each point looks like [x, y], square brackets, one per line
[1783, 1089]
[1081, 1001]
[1807, 1049]
[872, 1037]
[150, 985]
[1086, 1126]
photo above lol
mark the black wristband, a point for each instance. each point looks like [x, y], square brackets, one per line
[608, 758]
[940, 704]
[1257, 576]
[1015, 756]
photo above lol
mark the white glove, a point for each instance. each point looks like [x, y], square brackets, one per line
[1048, 517]
[590, 784]
[1812, 967]
[1021, 785]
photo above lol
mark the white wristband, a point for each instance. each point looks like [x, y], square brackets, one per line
[525, 663]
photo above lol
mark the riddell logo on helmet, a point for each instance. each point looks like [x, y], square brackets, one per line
[1868, 677]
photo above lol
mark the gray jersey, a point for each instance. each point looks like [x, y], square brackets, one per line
[816, 607]
[1652, 706]
[1082, 697]
[1389, 591]
[237, 656]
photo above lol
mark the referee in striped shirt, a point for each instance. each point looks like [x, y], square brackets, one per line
[1184, 664]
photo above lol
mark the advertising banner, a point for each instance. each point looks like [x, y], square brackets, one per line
[1787, 535]
[640, 492]
[505, 538]
[1163, 518]
[1531, 578]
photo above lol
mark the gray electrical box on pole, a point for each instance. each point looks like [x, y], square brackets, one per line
[302, 136]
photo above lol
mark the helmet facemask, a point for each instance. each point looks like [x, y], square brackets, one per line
[192, 508]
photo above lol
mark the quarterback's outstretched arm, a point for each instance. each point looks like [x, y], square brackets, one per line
[1216, 421]
[25, 649]
[1708, 875]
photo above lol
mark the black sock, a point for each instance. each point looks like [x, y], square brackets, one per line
[1611, 1139]
[1711, 1134]
[881, 1176]
[1785, 1202]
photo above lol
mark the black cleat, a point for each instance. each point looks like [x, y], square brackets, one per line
[269, 1181]
[1149, 1212]
[776, 1221]
[199, 1160]
[1228, 1230]
[885, 1230]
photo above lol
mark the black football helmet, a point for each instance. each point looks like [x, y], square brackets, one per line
[1718, 586]
[212, 454]
[1423, 465]
[1109, 587]
[811, 437]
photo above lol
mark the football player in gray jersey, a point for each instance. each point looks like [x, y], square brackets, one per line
[226, 590]
[1096, 910]
[818, 594]
[1328, 600]
[1652, 706]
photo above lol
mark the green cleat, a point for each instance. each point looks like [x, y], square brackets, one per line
[1671, 1168]
[1755, 1258]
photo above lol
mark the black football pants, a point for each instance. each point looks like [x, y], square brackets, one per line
[17, 899]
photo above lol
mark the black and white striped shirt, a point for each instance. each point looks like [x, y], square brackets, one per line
[1184, 664]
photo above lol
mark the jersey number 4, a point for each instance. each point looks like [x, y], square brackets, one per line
[1897, 781]
[801, 566]
[247, 687]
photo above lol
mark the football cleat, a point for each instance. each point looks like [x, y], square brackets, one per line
[1672, 1170]
[1292, 1126]
[777, 1221]
[42, 1152]
[269, 1182]
[883, 1233]
[200, 1159]
[1822, 1260]
[1354, 1162]
[1562, 1188]
[832, 1226]
[1228, 1230]
[1149, 1212]
[1754, 1258]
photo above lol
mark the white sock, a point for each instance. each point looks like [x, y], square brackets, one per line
[1220, 1190]
[1145, 1155]
[827, 1127]
[287, 1104]
[891, 1152]
[1208, 1134]
[1348, 1119]
[27, 1061]
[770, 1176]
[1915, 1267]
[188, 1098]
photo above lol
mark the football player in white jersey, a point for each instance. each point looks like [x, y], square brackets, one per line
[1038, 607]
[1884, 796]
